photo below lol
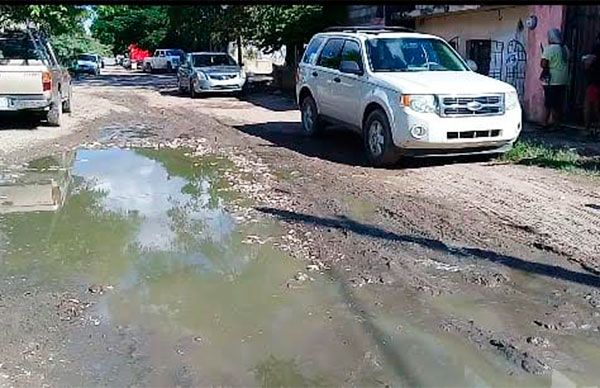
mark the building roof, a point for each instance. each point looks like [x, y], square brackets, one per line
[425, 11]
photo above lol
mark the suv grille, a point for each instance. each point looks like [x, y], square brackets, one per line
[488, 105]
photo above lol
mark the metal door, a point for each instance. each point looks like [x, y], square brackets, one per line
[582, 24]
[516, 64]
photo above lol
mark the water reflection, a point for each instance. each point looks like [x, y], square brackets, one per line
[215, 310]
[41, 187]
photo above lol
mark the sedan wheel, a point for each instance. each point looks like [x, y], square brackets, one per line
[193, 93]
[180, 86]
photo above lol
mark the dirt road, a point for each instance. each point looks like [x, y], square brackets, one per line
[492, 268]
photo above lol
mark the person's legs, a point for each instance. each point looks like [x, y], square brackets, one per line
[547, 105]
[558, 104]
[594, 108]
[588, 109]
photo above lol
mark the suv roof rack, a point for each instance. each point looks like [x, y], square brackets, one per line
[371, 29]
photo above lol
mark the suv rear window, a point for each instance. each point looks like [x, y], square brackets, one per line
[330, 55]
[311, 50]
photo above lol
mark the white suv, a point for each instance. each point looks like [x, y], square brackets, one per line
[406, 93]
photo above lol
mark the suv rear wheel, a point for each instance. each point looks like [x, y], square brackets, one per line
[311, 122]
[54, 115]
[380, 148]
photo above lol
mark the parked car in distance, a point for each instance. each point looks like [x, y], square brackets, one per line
[31, 78]
[87, 64]
[109, 61]
[164, 60]
[406, 93]
[205, 72]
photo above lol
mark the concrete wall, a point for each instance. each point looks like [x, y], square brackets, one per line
[504, 24]
[495, 24]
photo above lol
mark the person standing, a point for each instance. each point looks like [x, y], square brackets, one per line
[592, 94]
[555, 77]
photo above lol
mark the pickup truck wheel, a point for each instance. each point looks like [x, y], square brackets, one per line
[66, 108]
[379, 145]
[312, 124]
[54, 115]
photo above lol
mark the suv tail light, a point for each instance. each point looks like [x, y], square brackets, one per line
[46, 81]
[296, 75]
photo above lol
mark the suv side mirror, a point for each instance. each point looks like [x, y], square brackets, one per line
[472, 65]
[350, 67]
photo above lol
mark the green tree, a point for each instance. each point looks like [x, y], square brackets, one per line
[67, 46]
[55, 19]
[272, 26]
[119, 26]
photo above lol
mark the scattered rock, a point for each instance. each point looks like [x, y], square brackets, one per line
[538, 341]
[98, 289]
[548, 326]
[70, 308]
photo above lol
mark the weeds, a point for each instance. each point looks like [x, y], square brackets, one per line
[542, 155]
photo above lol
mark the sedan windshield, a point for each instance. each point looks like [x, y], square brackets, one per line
[87, 58]
[412, 54]
[213, 60]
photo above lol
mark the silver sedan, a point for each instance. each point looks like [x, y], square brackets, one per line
[210, 72]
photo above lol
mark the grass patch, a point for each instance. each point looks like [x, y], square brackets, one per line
[539, 154]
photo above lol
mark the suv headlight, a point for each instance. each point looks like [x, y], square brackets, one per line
[201, 76]
[242, 74]
[511, 100]
[422, 103]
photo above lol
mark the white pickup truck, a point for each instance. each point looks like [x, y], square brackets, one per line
[31, 78]
[164, 60]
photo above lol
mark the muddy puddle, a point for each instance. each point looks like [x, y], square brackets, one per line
[209, 301]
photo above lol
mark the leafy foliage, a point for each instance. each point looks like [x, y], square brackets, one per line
[67, 46]
[56, 19]
[211, 27]
[120, 25]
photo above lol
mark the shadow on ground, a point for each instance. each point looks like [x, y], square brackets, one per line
[135, 80]
[336, 144]
[344, 223]
[25, 121]
[566, 138]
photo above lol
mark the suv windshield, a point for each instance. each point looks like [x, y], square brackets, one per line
[213, 60]
[412, 54]
[88, 58]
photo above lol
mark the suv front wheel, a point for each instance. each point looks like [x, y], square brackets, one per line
[311, 122]
[380, 148]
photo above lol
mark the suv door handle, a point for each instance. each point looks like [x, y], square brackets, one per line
[337, 79]
[314, 74]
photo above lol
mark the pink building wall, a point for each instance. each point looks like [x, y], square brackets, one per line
[548, 16]
[500, 24]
